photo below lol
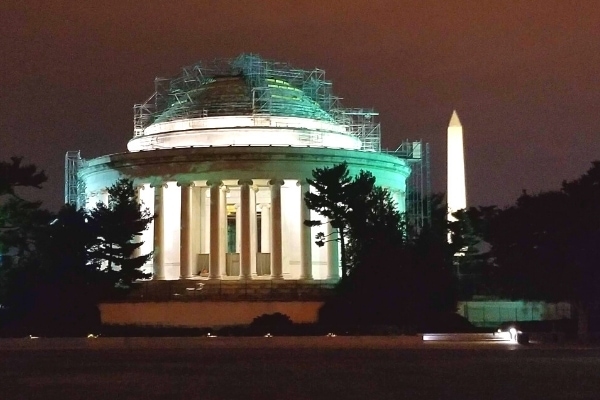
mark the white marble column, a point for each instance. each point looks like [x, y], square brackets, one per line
[333, 256]
[138, 239]
[265, 228]
[223, 230]
[400, 197]
[104, 197]
[245, 224]
[238, 229]
[305, 235]
[204, 212]
[196, 226]
[214, 266]
[275, 241]
[158, 261]
[397, 197]
[185, 240]
[253, 230]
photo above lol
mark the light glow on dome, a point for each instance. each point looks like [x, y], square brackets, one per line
[266, 103]
[244, 131]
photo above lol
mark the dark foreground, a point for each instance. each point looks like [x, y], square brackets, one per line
[293, 368]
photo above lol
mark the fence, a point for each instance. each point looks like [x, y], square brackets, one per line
[493, 313]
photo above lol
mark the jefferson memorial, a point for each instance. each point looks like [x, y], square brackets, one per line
[220, 155]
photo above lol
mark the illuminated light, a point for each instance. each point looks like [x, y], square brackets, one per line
[210, 335]
[92, 336]
[331, 334]
[513, 334]
[244, 131]
[268, 335]
[33, 337]
[456, 191]
[494, 337]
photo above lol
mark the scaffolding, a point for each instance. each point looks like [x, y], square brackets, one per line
[418, 185]
[274, 89]
[73, 189]
[362, 123]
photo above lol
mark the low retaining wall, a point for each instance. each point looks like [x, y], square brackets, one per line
[213, 314]
[494, 312]
[223, 343]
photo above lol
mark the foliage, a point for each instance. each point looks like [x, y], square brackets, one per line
[20, 220]
[22, 224]
[116, 226]
[389, 278]
[14, 175]
[55, 273]
[333, 187]
[545, 246]
[276, 323]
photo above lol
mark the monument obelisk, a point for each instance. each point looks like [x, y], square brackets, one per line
[456, 190]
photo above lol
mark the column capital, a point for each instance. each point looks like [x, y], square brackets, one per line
[186, 183]
[243, 182]
[302, 182]
[213, 183]
[276, 181]
[159, 184]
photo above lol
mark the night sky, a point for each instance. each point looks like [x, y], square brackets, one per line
[523, 75]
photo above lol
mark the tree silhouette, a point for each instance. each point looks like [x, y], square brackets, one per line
[20, 219]
[388, 277]
[545, 246]
[333, 187]
[118, 227]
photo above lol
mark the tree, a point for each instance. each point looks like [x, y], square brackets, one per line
[22, 225]
[66, 247]
[430, 265]
[333, 188]
[14, 175]
[474, 262]
[54, 276]
[545, 247]
[389, 279]
[117, 226]
[19, 219]
[374, 222]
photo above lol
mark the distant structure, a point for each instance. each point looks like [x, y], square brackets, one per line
[221, 154]
[456, 190]
[73, 193]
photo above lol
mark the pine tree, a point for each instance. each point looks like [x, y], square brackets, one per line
[332, 189]
[118, 226]
[20, 219]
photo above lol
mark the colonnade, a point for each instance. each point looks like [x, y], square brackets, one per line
[271, 229]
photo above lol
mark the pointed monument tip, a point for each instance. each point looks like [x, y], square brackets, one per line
[454, 121]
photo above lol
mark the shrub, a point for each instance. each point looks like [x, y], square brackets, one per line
[276, 324]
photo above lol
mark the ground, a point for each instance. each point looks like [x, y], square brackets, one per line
[293, 368]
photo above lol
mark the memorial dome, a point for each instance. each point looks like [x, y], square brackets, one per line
[246, 101]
